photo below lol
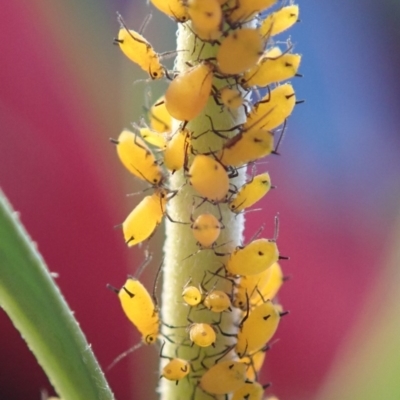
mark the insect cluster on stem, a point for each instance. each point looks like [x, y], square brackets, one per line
[225, 109]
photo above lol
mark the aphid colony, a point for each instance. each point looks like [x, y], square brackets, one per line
[235, 68]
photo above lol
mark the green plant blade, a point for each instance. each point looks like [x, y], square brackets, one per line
[36, 307]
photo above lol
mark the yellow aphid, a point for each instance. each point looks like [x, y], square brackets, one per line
[192, 296]
[140, 309]
[271, 70]
[239, 51]
[272, 110]
[160, 119]
[253, 258]
[154, 138]
[176, 150]
[173, 8]
[224, 377]
[251, 192]
[257, 329]
[244, 10]
[203, 335]
[188, 93]
[176, 369]
[217, 301]
[249, 391]
[137, 158]
[253, 289]
[278, 21]
[140, 51]
[255, 363]
[206, 229]
[206, 15]
[232, 99]
[209, 178]
[247, 146]
[143, 220]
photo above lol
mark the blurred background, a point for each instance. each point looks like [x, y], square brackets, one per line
[65, 89]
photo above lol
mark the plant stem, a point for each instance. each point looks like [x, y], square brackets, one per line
[36, 307]
[180, 243]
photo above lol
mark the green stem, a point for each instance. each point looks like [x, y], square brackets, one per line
[180, 243]
[36, 307]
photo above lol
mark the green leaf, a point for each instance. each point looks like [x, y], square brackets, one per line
[36, 307]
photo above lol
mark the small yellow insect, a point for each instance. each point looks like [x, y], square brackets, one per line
[279, 21]
[153, 137]
[244, 10]
[250, 193]
[173, 9]
[140, 308]
[137, 158]
[160, 119]
[247, 146]
[143, 220]
[206, 229]
[250, 391]
[255, 288]
[206, 18]
[139, 50]
[192, 296]
[255, 363]
[189, 92]
[217, 301]
[253, 258]
[271, 69]
[239, 51]
[209, 178]
[272, 110]
[176, 150]
[201, 334]
[257, 328]
[229, 98]
[176, 369]
[224, 377]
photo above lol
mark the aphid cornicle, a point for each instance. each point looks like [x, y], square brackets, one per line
[250, 193]
[143, 220]
[272, 110]
[139, 50]
[239, 51]
[257, 328]
[224, 377]
[188, 93]
[137, 158]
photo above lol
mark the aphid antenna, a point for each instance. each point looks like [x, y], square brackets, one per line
[144, 264]
[145, 23]
[154, 294]
[124, 354]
